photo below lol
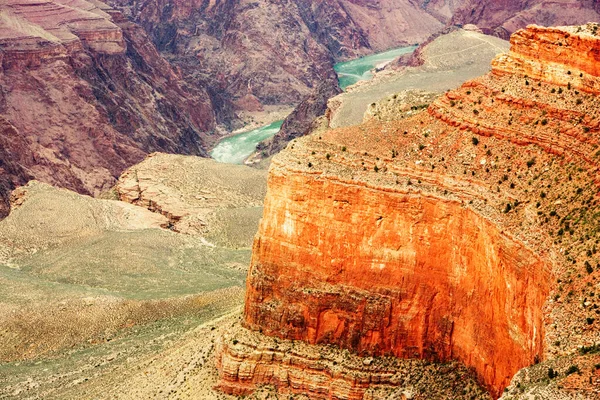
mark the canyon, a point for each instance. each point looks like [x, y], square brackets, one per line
[90, 89]
[85, 95]
[417, 244]
[247, 52]
[465, 232]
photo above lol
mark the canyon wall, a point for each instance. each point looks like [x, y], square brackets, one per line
[440, 236]
[381, 272]
[86, 94]
[502, 18]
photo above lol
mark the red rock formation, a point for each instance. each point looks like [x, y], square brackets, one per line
[384, 272]
[440, 236]
[85, 95]
[559, 56]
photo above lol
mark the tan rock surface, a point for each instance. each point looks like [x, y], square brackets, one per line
[91, 290]
[194, 193]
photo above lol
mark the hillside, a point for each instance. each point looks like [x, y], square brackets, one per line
[445, 63]
[90, 286]
[502, 18]
[253, 54]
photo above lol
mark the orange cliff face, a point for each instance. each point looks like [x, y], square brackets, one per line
[437, 237]
[389, 272]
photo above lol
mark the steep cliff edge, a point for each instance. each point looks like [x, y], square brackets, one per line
[467, 232]
[85, 95]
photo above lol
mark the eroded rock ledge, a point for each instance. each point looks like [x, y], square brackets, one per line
[468, 232]
[325, 371]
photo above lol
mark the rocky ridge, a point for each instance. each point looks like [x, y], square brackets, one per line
[445, 62]
[467, 232]
[194, 194]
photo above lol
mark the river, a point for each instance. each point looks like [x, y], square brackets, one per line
[235, 149]
[360, 69]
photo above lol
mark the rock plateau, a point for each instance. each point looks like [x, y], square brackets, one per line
[466, 232]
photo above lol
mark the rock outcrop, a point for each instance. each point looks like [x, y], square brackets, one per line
[440, 64]
[198, 196]
[302, 119]
[467, 232]
[85, 95]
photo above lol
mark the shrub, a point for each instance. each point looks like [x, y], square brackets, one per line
[475, 140]
[572, 369]
[531, 163]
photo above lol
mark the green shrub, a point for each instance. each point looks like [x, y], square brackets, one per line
[572, 369]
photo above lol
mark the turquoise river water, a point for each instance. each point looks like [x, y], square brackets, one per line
[235, 149]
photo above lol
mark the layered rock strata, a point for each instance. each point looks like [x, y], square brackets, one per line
[467, 232]
[315, 369]
[86, 94]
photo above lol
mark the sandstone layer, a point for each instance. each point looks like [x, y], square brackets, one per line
[467, 232]
[86, 95]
